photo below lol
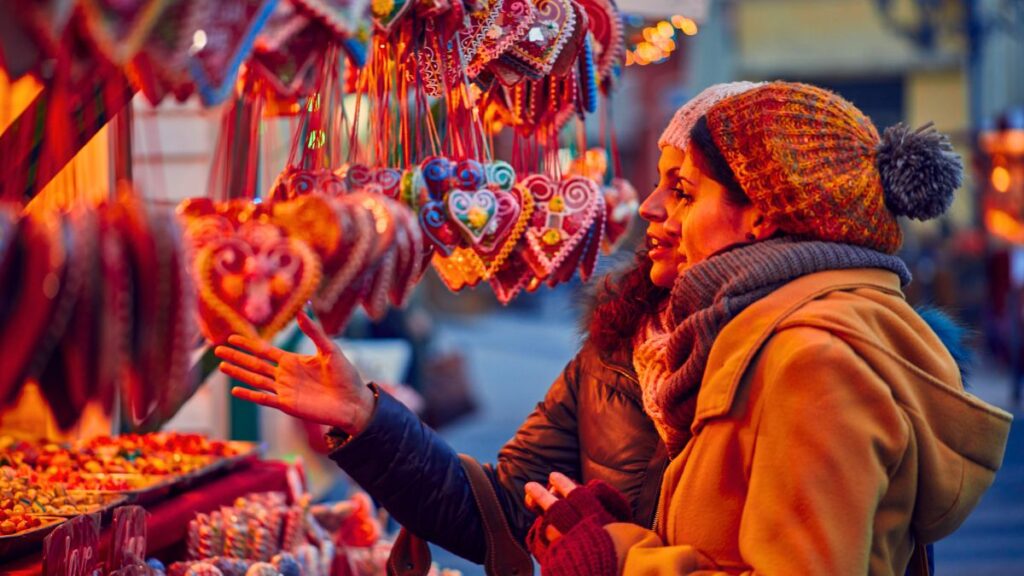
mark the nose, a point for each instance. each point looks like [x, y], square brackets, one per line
[653, 209]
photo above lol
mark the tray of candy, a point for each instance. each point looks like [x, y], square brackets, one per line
[22, 541]
[240, 452]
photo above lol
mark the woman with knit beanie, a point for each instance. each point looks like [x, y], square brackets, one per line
[816, 424]
[590, 425]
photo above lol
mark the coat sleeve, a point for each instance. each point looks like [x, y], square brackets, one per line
[408, 468]
[827, 438]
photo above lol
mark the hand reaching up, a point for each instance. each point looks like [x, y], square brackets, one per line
[323, 388]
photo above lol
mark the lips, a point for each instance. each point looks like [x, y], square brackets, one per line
[655, 243]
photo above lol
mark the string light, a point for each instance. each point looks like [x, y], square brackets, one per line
[659, 40]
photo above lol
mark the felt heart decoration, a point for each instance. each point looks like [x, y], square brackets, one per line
[229, 30]
[389, 180]
[546, 37]
[514, 18]
[620, 210]
[295, 182]
[118, 28]
[39, 258]
[561, 219]
[472, 212]
[253, 283]
[440, 232]
[437, 174]
[501, 175]
[318, 221]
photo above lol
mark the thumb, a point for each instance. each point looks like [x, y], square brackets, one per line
[316, 333]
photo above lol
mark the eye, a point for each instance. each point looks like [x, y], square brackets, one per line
[682, 196]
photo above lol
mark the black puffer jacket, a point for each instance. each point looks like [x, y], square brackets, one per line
[591, 425]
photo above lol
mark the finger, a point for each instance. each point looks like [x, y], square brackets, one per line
[257, 347]
[247, 361]
[316, 334]
[561, 484]
[551, 533]
[251, 378]
[261, 398]
[540, 495]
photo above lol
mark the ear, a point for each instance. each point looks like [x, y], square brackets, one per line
[761, 227]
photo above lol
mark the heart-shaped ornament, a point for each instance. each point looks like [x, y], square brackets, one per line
[437, 176]
[562, 217]
[440, 232]
[608, 30]
[389, 180]
[621, 205]
[473, 213]
[358, 176]
[574, 43]
[341, 17]
[510, 207]
[254, 283]
[460, 270]
[513, 276]
[514, 18]
[229, 28]
[501, 175]
[554, 26]
[285, 55]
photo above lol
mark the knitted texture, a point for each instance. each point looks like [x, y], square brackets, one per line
[711, 293]
[595, 500]
[807, 159]
[677, 133]
[651, 363]
[586, 550]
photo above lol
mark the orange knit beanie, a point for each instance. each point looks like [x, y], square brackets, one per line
[816, 167]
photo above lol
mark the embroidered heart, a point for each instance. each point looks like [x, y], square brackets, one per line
[563, 64]
[295, 182]
[497, 259]
[410, 264]
[609, 36]
[562, 217]
[286, 53]
[620, 210]
[253, 283]
[546, 37]
[161, 64]
[512, 277]
[501, 175]
[341, 17]
[472, 212]
[358, 240]
[513, 22]
[433, 217]
[318, 221]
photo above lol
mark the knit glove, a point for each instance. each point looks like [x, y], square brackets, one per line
[596, 502]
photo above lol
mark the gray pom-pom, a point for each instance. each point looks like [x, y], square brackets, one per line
[920, 171]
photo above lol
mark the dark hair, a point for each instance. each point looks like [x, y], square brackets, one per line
[709, 158]
[623, 301]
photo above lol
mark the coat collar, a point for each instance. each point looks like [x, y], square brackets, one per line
[742, 338]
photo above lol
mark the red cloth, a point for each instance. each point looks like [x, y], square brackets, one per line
[586, 550]
[167, 525]
[596, 500]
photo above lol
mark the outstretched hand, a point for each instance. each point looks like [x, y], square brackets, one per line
[323, 388]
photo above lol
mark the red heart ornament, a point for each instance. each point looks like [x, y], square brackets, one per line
[229, 30]
[562, 217]
[119, 28]
[514, 18]
[440, 232]
[513, 276]
[507, 217]
[554, 26]
[620, 210]
[254, 283]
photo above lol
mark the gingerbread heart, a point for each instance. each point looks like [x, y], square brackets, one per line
[229, 29]
[359, 240]
[501, 175]
[119, 28]
[342, 17]
[513, 20]
[562, 217]
[389, 180]
[567, 57]
[554, 26]
[437, 174]
[506, 219]
[358, 176]
[513, 276]
[285, 55]
[253, 283]
[460, 270]
[473, 213]
[440, 232]
[318, 221]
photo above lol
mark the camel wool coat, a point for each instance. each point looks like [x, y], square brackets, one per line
[832, 429]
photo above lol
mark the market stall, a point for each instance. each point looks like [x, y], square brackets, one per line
[450, 135]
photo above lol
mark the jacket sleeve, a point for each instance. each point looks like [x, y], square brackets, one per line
[827, 438]
[418, 478]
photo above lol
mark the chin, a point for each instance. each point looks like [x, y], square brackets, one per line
[662, 275]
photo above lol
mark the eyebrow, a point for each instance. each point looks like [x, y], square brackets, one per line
[685, 179]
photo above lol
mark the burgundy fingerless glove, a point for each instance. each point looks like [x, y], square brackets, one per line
[585, 548]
